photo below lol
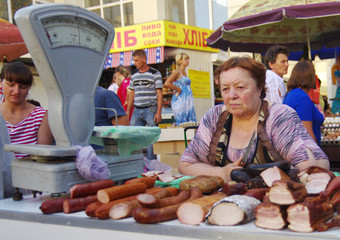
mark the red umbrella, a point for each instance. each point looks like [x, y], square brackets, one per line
[12, 44]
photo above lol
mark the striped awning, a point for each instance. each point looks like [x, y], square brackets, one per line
[153, 55]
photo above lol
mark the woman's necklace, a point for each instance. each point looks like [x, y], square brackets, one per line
[16, 120]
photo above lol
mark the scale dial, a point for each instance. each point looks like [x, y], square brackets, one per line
[74, 31]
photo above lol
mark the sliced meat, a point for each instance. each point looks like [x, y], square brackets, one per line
[286, 192]
[272, 174]
[317, 182]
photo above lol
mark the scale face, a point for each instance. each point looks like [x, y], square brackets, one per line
[69, 30]
[69, 46]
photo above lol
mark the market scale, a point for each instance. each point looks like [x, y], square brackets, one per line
[69, 46]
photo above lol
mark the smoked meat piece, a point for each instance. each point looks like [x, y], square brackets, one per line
[287, 192]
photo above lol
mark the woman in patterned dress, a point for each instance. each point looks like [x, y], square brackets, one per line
[182, 102]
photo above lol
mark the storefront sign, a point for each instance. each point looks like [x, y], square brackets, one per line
[200, 83]
[160, 33]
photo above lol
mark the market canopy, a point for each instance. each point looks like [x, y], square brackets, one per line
[259, 24]
[12, 44]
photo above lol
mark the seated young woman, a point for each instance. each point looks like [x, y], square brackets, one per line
[26, 123]
[226, 130]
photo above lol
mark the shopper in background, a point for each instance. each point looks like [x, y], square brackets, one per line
[146, 95]
[115, 83]
[105, 98]
[303, 79]
[276, 61]
[246, 126]
[336, 101]
[182, 102]
[26, 123]
[123, 76]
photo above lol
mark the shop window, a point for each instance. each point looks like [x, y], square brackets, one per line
[219, 12]
[110, 1]
[17, 4]
[201, 14]
[91, 3]
[96, 11]
[112, 15]
[174, 10]
[3, 10]
[128, 14]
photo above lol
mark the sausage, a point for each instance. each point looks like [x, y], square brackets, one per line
[108, 194]
[123, 210]
[152, 200]
[207, 184]
[193, 212]
[240, 175]
[181, 197]
[157, 215]
[148, 181]
[257, 193]
[234, 188]
[103, 211]
[153, 189]
[256, 169]
[331, 188]
[87, 189]
[91, 209]
[53, 205]
[78, 204]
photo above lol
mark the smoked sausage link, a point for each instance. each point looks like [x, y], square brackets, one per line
[148, 181]
[78, 204]
[87, 189]
[53, 205]
[116, 192]
[91, 208]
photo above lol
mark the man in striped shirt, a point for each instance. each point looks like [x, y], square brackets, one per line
[146, 94]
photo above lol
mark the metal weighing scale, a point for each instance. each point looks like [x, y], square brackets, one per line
[69, 46]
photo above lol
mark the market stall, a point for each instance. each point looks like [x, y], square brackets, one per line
[27, 217]
[162, 40]
[330, 141]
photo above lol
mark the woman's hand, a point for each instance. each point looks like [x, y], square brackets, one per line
[177, 93]
[230, 167]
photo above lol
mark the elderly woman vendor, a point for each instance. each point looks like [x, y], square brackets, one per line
[246, 125]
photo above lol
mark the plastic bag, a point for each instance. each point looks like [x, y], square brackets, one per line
[155, 165]
[90, 166]
[129, 138]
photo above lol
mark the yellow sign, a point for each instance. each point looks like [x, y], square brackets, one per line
[200, 83]
[160, 33]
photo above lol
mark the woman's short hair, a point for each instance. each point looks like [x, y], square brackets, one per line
[302, 76]
[181, 56]
[256, 69]
[122, 70]
[17, 72]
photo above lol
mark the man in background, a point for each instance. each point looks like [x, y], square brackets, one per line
[105, 98]
[276, 61]
[146, 95]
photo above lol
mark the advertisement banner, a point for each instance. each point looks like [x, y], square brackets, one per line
[160, 33]
[200, 83]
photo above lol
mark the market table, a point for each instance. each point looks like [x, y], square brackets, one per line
[24, 220]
